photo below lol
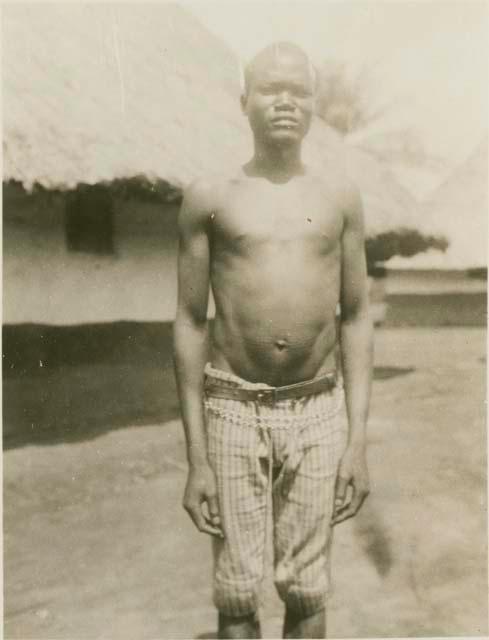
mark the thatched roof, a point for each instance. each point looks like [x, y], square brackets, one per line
[388, 205]
[404, 151]
[459, 208]
[95, 93]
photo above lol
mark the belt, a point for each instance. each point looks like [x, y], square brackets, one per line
[271, 394]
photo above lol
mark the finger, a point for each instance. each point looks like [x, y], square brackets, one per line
[343, 515]
[359, 497]
[213, 525]
[213, 506]
[194, 511]
[362, 494]
[211, 530]
[340, 492]
[350, 510]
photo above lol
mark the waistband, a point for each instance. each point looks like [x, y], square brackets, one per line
[222, 384]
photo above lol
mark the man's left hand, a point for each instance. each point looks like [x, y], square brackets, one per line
[352, 484]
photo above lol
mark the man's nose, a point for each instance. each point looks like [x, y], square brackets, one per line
[284, 101]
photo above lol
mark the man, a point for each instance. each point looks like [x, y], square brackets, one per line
[281, 245]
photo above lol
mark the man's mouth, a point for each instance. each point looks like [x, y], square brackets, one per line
[289, 123]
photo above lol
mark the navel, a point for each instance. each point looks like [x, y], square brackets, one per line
[281, 344]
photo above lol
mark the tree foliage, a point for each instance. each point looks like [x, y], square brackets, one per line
[402, 242]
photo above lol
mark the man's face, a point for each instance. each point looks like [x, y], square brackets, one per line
[280, 98]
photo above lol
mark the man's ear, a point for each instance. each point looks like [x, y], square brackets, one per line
[243, 100]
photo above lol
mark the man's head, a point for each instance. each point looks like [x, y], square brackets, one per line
[278, 93]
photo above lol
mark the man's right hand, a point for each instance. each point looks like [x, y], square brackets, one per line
[200, 490]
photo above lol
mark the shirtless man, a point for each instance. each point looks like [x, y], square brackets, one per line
[281, 245]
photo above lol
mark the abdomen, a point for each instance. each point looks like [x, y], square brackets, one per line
[275, 316]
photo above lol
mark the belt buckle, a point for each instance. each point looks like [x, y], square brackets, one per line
[266, 396]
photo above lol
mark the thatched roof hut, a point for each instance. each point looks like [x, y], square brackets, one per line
[458, 208]
[95, 93]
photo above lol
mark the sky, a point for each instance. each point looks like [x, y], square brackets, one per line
[428, 59]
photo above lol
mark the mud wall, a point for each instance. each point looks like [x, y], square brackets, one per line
[45, 282]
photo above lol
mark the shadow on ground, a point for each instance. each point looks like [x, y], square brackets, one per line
[97, 526]
[66, 384]
[436, 310]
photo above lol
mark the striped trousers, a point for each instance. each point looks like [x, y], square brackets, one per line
[282, 457]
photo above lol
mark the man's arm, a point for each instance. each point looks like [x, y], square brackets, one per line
[190, 351]
[356, 335]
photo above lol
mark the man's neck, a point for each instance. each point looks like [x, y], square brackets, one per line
[277, 163]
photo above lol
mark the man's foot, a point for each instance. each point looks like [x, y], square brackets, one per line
[242, 627]
[312, 626]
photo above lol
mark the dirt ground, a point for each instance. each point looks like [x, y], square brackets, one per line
[96, 544]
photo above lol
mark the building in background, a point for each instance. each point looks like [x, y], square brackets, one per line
[109, 111]
[459, 207]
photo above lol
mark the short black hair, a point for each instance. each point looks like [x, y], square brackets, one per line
[276, 48]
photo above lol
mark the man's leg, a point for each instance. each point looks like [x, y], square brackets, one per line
[303, 495]
[302, 541]
[243, 627]
[298, 626]
[238, 453]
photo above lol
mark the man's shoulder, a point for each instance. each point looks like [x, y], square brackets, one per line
[206, 193]
[200, 194]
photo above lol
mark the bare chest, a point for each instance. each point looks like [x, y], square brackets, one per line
[253, 219]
